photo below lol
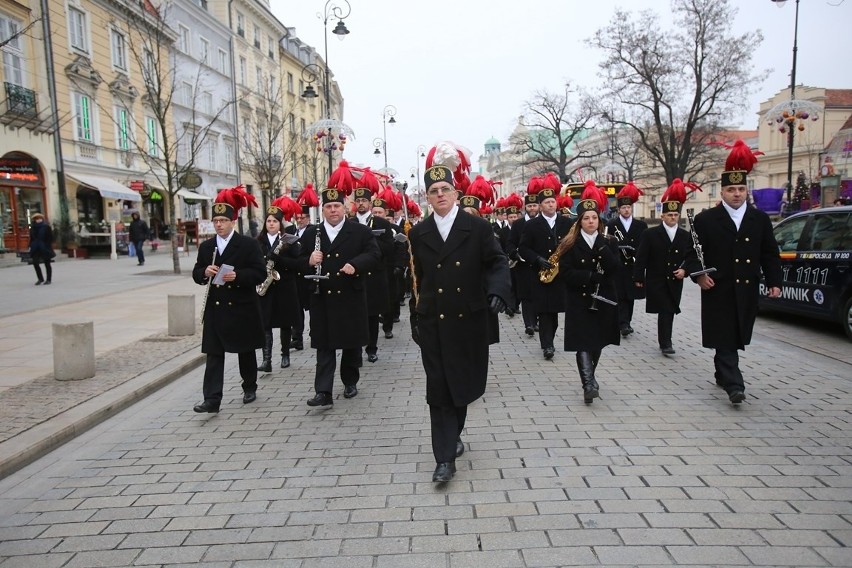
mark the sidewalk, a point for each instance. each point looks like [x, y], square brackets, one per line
[134, 354]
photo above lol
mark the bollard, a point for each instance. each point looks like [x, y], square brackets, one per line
[182, 315]
[73, 351]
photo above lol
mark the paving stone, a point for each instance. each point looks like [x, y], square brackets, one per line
[104, 558]
[782, 556]
[710, 555]
[172, 555]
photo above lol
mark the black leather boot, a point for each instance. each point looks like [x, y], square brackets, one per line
[266, 365]
[586, 367]
[285, 348]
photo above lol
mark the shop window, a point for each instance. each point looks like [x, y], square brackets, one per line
[90, 210]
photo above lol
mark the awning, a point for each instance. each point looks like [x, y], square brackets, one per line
[107, 187]
[186, 194]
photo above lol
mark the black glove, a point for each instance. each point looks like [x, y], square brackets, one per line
[496, 304]
[273, 257]
[398, 271]
[542, 263]
[415, 329]
[514, 256]
[595, 277]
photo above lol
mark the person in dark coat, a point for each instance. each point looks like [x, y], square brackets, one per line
[307, 241]
[280, 302]
[395, 266]
[664, 258]
[628, 231]
[737, 240]
[138, 233]
[524, 269]
[231, 315]
[538, 242]
[461, 282]
[378, 300]
[588, 267]
[41, 248]
[338, 303]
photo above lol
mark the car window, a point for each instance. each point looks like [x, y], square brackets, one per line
[831, 232]
[788, 233]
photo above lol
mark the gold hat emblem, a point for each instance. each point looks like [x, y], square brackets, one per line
[272, 210]
[377, 203]
[588, 204]
[220, 208]
[736, 177]
[331, 194]
[547, 193]
[438, 173]
[468, 201]
[672, 205]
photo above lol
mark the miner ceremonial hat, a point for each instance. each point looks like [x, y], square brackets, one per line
[275, 212]
[675, 195]
[379, 203]
[362, 193]
[550, 188]
[450, 163]
[593, 198]
[739, 163]
[470, 201]
[229, 202]
[332, 196]
[628, 195]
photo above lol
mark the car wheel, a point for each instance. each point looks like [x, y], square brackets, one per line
[846, 317]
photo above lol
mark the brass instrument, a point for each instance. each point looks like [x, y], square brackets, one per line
[699, 252]
[271, 274]
[207, 289]
[548, 275]
[626, 250]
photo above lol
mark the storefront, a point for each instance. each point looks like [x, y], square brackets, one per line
[100, 201]
[22, 194]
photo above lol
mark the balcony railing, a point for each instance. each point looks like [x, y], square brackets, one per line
[20, 100]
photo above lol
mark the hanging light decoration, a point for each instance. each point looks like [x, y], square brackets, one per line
[793, 114]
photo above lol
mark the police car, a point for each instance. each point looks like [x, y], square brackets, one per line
[816, 258]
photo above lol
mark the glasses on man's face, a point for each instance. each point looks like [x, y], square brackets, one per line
[436, 190]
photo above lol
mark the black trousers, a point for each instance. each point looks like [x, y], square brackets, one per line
[47, 268]
[350, 359]
[298, 324]
[665, 323]
[625, 311]
[140, 251]
[447, 426]
[548, 323]
[214, 375]
[528, 313]
[727, 363]
[373, 329]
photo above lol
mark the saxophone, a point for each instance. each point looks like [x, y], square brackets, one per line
[548, 275]
[271, 274]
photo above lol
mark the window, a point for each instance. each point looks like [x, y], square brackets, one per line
[713, 187]
[291, 122]
[223, 62]
[207, 102]
[119, 50]
[241, 25]
[149, 68]
[212, 151]
[243, 71]
[302, 126]
[204, 52]
[186, 93]
[183, 38]
[289, 82]
[301, 87]
[259, 78]
[13, 54]
[122, 125]
[153, 139]
[270, 45]
[77, 31]
[246, 130]
[832, 232]
[229, 158]
[272, 93]
[83, 117]
[257, 36]
[787, 234]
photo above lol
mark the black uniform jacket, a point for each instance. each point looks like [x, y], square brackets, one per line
[728, 310]
[657, 259]
[524, 270]
[232, 318]
[539, 241]
[339, 310]
[588, 329]
[280, 304]
[625, 287]
[377, 280]
[454, 280]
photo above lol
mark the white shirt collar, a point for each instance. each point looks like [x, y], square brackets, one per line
[626, 222]
[670, 231]
[446, 223]
[332, 231]
[550, 220]
[271, 237]
[221, 242]
[362, 218]
[736, 214]
[590, 239]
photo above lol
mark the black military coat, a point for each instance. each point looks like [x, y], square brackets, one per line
[378, 294]
[728, 310]
[524, 271]
[624, 284]
[590, 329]
[280, 305]
[657, 259]
[339, 310]
[232, 318]
[454, 280]
[539, 241]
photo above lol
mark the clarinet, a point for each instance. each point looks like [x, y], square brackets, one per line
[699, 252]
[207, 289]
[318, 275]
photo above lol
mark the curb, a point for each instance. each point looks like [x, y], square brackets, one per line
[27, 447]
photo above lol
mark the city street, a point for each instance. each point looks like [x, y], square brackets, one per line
[662, 470]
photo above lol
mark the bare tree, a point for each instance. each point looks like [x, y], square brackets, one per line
[672, 86]
[553, 123]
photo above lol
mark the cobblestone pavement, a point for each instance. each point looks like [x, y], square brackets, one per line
[661, 471]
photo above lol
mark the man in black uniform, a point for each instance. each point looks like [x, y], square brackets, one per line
[737, 240]
[540, 237]
[628, 231]
[525, 271]
[394, 268]
[307, 239]
[348, 251]
[462, 283]
[232, 266]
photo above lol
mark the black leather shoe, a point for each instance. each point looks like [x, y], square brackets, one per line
[548, 353]
[590, 392]
[321, 399]
[265, 366]
[736, 396]
[350, 391]
[396, 319]
[625, 331]
[372, 357]
[535, 328]
[249, 397]
[206, 406]
[667, 350]
[444, 472]
[39, 283]
[388, 335]
[285, 361]
[629, 329]
[529, 331]
[47, 283]
[459, 448]
[297, 344]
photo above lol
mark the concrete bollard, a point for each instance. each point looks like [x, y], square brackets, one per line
[73, 351]
[182, 315]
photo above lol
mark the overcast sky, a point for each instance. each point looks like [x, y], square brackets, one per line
[461, 70]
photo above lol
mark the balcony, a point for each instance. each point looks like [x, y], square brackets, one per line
[20, 101]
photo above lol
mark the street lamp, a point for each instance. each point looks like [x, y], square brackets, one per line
[388, 114]
[421, 153]
[380, 143]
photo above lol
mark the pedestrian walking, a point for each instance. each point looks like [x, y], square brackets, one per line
[41, 248]
[524, 269]
[737, 240]
[627, 231]
[138, 234]
[231, 266]
[462, 282]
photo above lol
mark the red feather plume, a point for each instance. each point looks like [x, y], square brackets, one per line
[631, 191]
[368, 180]
[513, 200]
[236, 197]
[564, 201]
[741, 156]
[342, 179]
[551, 181]
[413, 209]
[592, 191]
[308, 197]
[535, 185]
[288, 206]
[482, 189]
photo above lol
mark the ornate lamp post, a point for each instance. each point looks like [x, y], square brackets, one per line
[388, 114]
